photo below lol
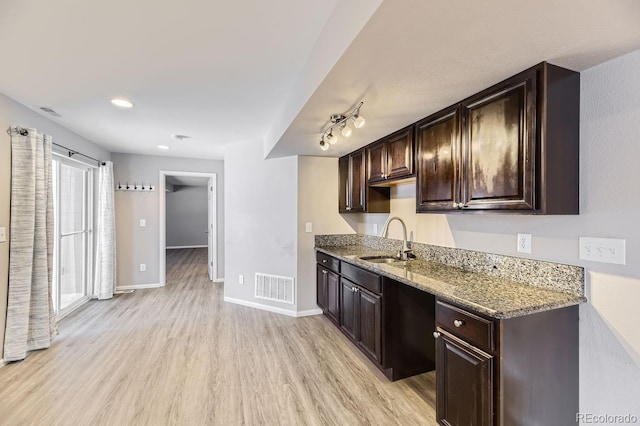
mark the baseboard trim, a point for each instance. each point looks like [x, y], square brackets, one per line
[2, 363]
[138, 286]
[273, 309]
[185, 247]
[309, 313]
[218, 280]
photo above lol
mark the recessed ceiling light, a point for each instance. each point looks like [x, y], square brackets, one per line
[121, 102]
[163, 147]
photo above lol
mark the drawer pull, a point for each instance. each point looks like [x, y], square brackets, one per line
[324, 272]
[324, 260]
[458, 323]
[436, 334]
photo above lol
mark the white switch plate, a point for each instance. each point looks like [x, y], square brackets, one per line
[375, 228]
[3, 234]
[308, 227]
[143, 223]
[607, 250]
[240, 279]
[524, 243]
[143, 267]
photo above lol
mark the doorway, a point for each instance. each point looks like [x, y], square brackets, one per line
[171, 183]
[72, 184]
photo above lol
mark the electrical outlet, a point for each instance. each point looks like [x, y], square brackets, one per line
[240, 279]
[524, 243]
[143, 223]
[308, 227]
[143, 267]
[3, 234]
[607, 250]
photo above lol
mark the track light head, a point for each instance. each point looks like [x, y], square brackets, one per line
[323, 145]
[346, 130]
[331, 138]
[358, 120]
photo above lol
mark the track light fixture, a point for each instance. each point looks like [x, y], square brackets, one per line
[340, 122]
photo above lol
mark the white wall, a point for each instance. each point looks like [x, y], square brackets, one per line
[187, 216]
[609, 207]
[318, 205]
[136, 245]
[15, 114]
[261, 220]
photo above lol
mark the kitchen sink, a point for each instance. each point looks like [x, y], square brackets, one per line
[381, 259]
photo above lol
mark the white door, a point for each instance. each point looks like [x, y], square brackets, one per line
[72, 201]
[210, 233]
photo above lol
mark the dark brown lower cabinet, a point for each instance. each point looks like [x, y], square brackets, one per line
[361, 319]
[464, 380]
[369, 338]
[348, 309]
[327, 291]
[506, 372]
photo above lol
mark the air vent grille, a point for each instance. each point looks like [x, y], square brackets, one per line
[275, 288]
[50, 111]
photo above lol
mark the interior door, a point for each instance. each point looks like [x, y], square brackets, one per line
[210, 233]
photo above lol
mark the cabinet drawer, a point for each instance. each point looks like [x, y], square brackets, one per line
[464, 324]
[328, 262]
[363, 278]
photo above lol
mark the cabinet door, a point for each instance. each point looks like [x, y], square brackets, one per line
[343, 184]
[348, 308]
[321, 287]
[357, 184]
[370, 324]
[499, 146]
[377, 162]
[464, 384]
[438, 165]
[400, 154]
[333, 293]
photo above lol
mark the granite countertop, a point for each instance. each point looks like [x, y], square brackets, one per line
[494, 296]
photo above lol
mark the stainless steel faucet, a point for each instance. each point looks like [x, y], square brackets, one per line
[402, 254]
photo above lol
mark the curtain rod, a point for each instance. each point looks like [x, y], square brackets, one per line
[71, 152]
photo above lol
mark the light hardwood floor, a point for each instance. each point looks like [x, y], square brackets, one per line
[181, 356]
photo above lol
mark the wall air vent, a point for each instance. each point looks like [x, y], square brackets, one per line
[275, 288]
[50, 111]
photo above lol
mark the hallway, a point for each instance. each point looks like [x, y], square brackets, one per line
[180, 355]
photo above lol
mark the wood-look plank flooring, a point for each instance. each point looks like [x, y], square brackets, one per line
[181, 356]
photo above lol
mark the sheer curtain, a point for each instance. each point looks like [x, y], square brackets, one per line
[31, 321]
[105, 280]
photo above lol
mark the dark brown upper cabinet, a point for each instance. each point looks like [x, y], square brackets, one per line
[391, 158]
[354, 195]
[513, 147]
[438, 186]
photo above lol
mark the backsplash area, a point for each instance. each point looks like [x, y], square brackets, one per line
[549, 275]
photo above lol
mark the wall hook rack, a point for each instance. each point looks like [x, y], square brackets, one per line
[136, 187]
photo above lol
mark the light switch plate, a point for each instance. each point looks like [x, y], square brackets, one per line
[308, 227]
[375, 228]
[143, 267]
[606, 250]
[240, 279]
[143, 223]
[3, 234]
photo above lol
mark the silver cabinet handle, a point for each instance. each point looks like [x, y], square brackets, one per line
[324, 260]
[436, 334]
[348, 208]
[458, 323]
[324, 272]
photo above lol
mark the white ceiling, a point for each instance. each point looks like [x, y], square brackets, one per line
[187, 180]
[415, 57]
[216, 71]
[223, 72]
